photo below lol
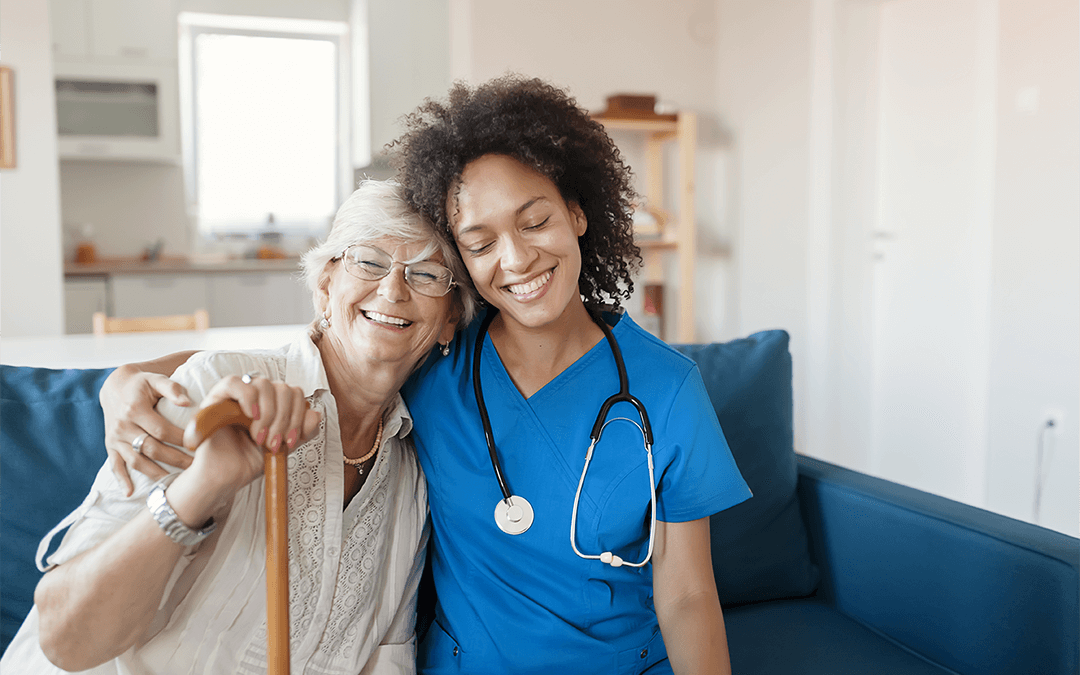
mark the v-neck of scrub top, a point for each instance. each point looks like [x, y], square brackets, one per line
[537, 406]
[491, 352]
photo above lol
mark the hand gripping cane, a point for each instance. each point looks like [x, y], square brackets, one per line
[205, 423]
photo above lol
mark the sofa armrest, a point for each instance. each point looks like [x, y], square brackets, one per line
[969, 589]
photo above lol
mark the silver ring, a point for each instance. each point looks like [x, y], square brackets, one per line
[137, 444]
[246, 378]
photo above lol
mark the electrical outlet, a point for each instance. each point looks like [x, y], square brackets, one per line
[1052, 419]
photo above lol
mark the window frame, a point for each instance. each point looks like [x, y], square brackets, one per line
[193, 24]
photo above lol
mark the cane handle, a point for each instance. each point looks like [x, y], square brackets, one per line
[212, 418]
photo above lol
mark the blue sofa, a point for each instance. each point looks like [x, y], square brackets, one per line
[824, 571]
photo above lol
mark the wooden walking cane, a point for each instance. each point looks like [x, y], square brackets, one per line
[205, 423]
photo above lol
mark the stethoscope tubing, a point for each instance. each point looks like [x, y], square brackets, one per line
[601, 422]
[489, 436]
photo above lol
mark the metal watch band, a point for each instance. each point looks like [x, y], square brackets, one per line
[167, 519]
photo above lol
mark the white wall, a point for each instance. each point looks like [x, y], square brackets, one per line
[763, 96]
[1035, 282]
[31, 274]
[410, 60]
[930, 357]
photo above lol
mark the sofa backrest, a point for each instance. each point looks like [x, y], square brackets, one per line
[759, 547]
[971, 590]
[51, 447]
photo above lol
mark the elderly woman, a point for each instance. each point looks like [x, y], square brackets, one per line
[181, 590]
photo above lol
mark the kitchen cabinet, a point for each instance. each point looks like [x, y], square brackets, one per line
[83, 297]
[70, 21]
[258, 299]
[235, 293]
[158, 294]
[114, 31]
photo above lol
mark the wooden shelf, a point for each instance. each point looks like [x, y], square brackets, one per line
[680, 231]
[664, 128]
[656, 244]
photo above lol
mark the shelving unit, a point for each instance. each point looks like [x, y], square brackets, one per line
[679, 235]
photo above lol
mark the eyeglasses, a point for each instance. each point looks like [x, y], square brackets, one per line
[371, 264]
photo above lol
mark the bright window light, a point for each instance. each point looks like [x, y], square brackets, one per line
[263, 127]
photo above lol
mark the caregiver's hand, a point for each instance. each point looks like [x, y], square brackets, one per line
[128, 397]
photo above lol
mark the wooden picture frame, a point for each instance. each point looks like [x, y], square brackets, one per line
[7, 118]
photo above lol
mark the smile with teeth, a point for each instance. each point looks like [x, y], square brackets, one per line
[388, 320]
[532, 286]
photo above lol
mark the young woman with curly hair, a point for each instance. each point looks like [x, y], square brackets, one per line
[605, 570]
[537, 198]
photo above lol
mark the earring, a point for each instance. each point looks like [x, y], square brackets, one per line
[324, 323]
[445, 349]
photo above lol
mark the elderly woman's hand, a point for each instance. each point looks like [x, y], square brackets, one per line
[281, 421]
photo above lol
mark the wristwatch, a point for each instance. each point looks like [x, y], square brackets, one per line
[167, 519]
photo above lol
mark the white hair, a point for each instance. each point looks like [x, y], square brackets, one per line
[378, 210]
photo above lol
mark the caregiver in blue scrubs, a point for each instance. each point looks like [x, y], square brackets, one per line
[539, 203]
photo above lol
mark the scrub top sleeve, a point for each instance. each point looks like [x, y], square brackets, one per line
[698, 476]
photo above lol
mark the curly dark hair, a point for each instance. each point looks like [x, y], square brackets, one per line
[542, 127]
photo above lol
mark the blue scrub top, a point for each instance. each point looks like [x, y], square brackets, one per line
[528, 603]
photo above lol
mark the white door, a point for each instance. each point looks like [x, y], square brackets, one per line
[931, 245]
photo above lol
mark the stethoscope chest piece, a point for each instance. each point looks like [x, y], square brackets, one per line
[514, 514]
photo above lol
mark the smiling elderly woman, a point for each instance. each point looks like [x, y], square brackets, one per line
[125, 595]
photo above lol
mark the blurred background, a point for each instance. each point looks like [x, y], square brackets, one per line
[894, 182]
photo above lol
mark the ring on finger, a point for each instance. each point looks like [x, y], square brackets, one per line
[137, 444]
[246, 378]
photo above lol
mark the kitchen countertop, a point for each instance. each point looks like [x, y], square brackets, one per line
[112, 266]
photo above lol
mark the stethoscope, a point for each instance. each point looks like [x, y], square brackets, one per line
[513, 513]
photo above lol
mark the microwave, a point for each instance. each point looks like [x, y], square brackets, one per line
[117, 112]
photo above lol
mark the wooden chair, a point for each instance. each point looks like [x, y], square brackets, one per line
[199, 320]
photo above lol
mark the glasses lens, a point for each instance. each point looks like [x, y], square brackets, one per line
[366, 262]
[425, 277]
[428, 278]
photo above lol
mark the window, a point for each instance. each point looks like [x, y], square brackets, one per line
[265, 123]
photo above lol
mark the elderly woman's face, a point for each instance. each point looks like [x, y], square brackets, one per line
[387, 319]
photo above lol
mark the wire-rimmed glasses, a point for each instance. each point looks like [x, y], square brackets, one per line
[371, 264]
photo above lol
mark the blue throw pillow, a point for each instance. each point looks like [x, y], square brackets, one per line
[760, 549]
[52, 443]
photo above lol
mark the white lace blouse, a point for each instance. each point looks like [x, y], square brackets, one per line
[353, 574]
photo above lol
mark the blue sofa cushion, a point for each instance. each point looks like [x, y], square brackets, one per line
[759, 548]
[809, 636]
[52, 441]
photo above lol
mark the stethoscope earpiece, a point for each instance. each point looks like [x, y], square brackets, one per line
[610, 559]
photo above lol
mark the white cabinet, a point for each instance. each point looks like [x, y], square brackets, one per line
[70, 21]
[158, 294]
[83, 297]
[114, 31]
[134, 29]
[239, 298]
[258, 299]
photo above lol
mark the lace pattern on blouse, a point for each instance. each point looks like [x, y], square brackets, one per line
[315, 552]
